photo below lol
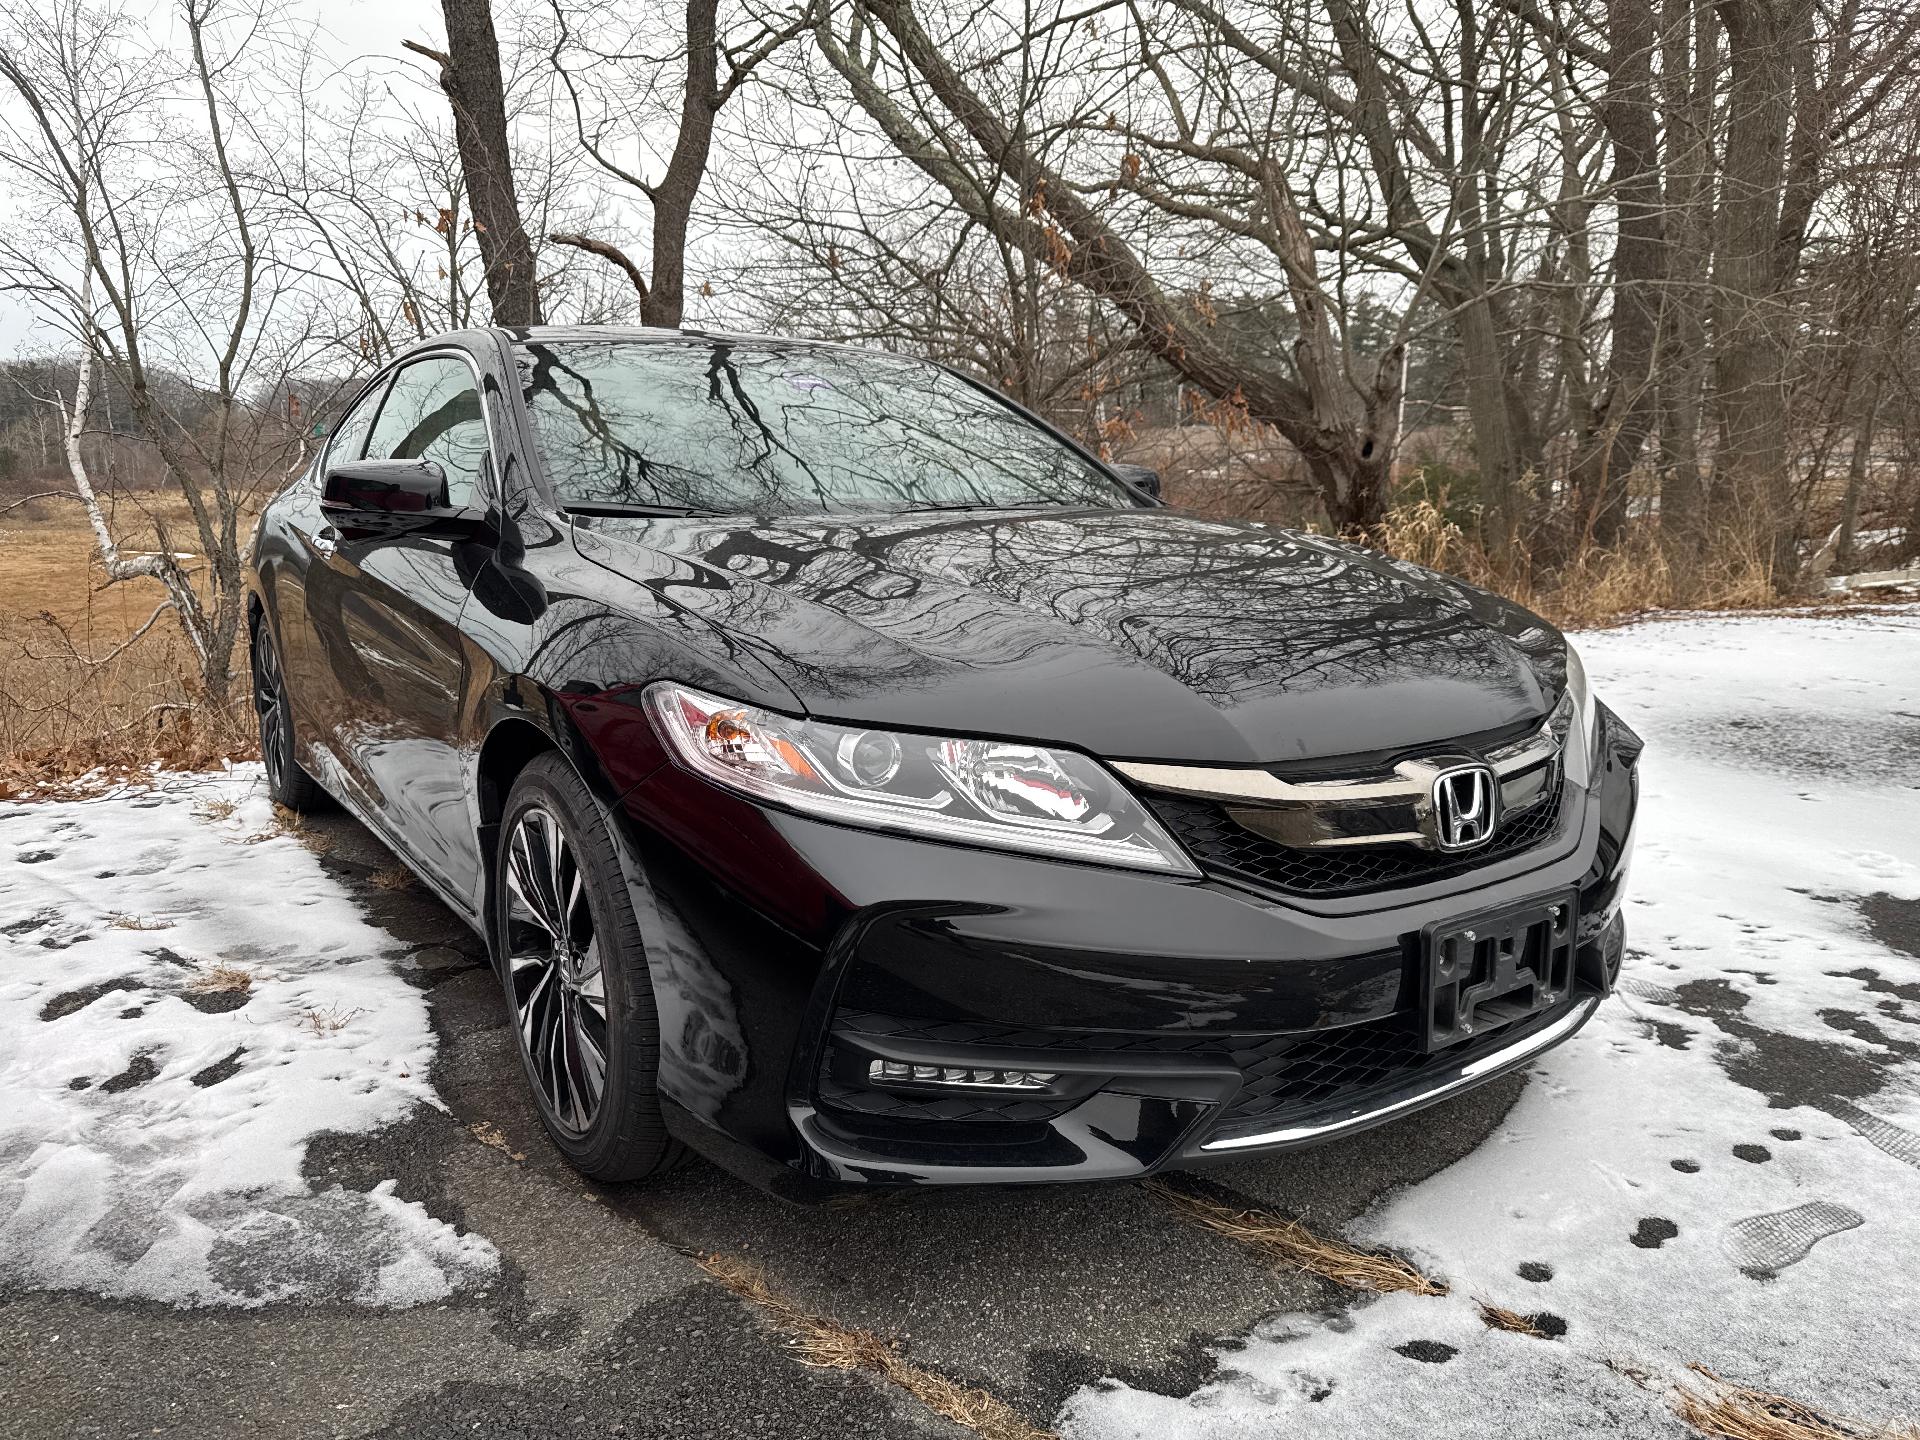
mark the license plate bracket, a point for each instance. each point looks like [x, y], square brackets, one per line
[1496, 968]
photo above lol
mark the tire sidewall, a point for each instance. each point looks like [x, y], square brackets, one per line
[280, 783]
[550, 784]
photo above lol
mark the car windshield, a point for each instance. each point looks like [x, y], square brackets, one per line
[760, 427]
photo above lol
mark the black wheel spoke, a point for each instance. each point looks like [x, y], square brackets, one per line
[269, 704]
[554, 970]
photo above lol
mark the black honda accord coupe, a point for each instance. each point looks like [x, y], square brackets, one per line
[857, 781]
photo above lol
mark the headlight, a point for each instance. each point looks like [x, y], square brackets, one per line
[1007, 794]
[1583, 731]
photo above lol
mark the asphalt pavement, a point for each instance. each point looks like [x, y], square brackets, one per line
[602, 1322]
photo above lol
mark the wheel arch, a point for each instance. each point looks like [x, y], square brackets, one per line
[518, 735]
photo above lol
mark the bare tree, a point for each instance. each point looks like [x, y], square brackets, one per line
[995, 159]
[470, 75]
[150, 256]
[600, 53]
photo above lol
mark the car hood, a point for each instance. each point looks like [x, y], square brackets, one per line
[1133, 634]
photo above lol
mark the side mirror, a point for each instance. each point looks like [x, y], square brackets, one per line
[371, 498]
[410, 488]
[1140, 477]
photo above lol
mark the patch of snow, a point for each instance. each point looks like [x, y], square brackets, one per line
[152, 1136]
[1778, 787]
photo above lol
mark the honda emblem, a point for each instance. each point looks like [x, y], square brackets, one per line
[1464, 802]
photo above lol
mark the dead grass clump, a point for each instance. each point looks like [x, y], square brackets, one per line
[1584, 584]
[330, 1021]
[1290, 1243]
[222, 979]
[393, 877]
[488, 1133]
[1599, 587]
[1734, 1412]
[292, 824]
[215, 808]
[1498, 1317]
[825, 1344]
[1421, 533]
[137, 922]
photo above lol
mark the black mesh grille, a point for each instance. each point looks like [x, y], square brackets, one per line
[1289, 1072]
[1225, 847]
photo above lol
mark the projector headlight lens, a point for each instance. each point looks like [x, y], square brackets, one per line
[1010, 795]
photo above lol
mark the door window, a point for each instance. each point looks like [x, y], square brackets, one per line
[349, 440]
[433, 413]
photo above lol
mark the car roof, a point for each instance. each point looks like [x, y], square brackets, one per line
[656, 335]
[479, 338]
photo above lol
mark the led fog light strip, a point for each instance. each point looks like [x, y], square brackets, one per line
[894, 1071]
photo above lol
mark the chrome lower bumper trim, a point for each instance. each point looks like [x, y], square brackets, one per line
[1460, 1079]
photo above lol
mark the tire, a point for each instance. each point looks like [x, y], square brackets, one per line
[576, 979]
[287, 783]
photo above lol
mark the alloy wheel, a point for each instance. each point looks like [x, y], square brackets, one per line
[275, 742]
[554, 969]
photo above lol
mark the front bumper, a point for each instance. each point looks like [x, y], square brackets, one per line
[1180, 1021]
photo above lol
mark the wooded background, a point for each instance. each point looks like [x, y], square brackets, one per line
[1607, 305]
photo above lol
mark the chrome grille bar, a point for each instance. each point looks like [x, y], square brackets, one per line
[1349, 811]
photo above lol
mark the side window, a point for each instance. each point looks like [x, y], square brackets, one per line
[433, 413]
[349, 440]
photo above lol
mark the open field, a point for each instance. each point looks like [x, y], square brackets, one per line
[70, 694]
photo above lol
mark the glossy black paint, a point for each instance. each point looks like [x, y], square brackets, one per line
[359, 490]
[425, 664]
[1144, 633]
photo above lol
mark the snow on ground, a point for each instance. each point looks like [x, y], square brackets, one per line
[152, 1130]
[1681, 1216]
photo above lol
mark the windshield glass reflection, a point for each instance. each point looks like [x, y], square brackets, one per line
[765, 428]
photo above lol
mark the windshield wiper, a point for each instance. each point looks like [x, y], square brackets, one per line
[988, 505]
[619, 508]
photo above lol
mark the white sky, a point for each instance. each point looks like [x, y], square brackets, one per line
[15, 326]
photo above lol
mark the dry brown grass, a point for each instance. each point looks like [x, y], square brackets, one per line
[137, 922]
[292, 825]
[1592, 586]
[489, 1134]
[393, 877]
[1288, 1242]
[330, 1021]
[826, 1344]
[215, 808]
[67, 710]
[1498, 1317]
[1735, 1412]
[223, 979]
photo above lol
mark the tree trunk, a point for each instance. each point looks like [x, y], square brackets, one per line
[1691, 44]
[673, 197]
[1857, 466]
[1639, 272]
[1495, 444]
[1753, 323]
[470, 74]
